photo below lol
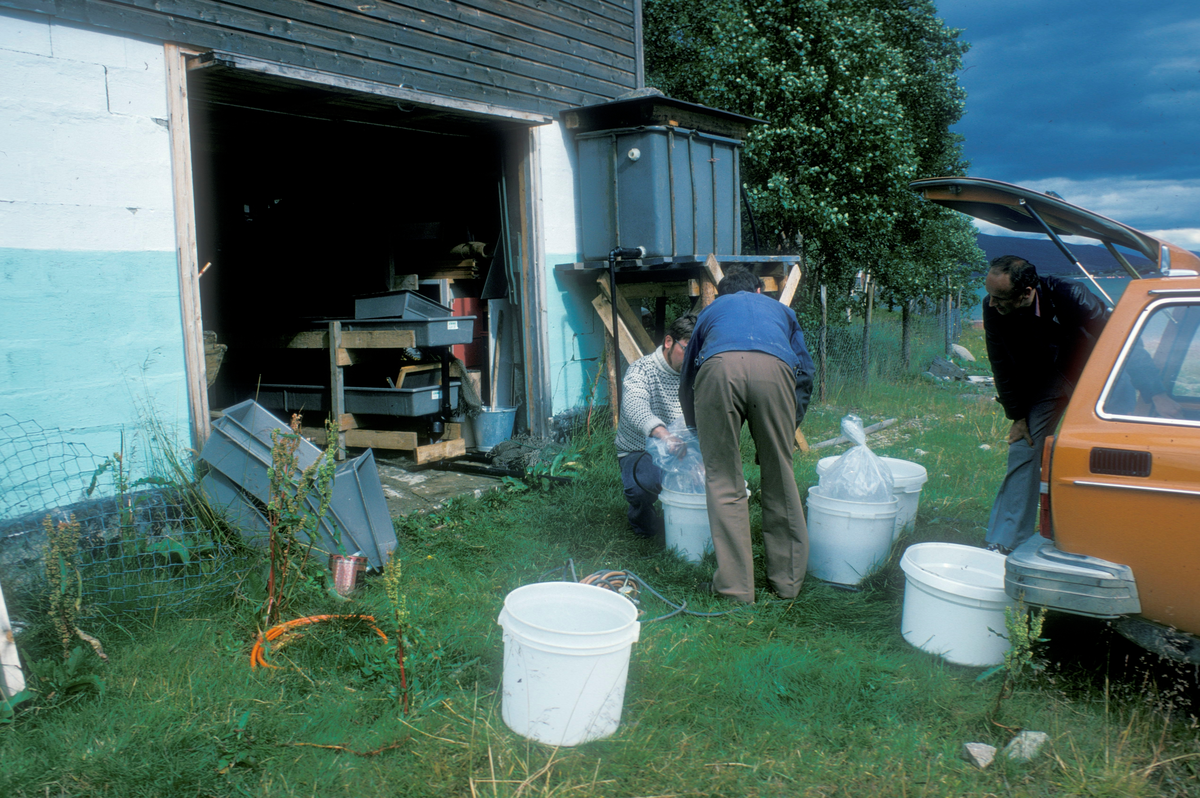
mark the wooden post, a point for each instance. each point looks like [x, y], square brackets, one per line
[709, 277]
[790, 285]
[866, 336]
[337, 385]
[185, 243]
[610, 361]
[823, 346]
[949, 324]
[906, 333]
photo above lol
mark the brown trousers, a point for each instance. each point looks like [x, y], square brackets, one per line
[732, 388]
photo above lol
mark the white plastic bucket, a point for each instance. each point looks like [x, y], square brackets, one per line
[954, 603]
[566, 658]
[907, 479]
[685, 516]
[848, 540]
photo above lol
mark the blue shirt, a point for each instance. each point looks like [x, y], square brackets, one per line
[747, 322]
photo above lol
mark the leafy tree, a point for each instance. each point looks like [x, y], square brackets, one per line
[858, 97]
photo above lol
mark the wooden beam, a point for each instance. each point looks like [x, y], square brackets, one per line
[188, 260]
[613, 374]
[770, 282]
[632, 319]
[871, 430]
[441, 451]
[368, 438]
[713, 269]
[628, 347]
[356, 339]
[406, 370]
[801, 441]
[645, 290]
[708, 291]
[790, 286]
[337, 384]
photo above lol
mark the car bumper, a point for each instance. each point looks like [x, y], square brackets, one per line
[1039, 574]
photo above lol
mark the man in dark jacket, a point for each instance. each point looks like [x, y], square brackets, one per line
[1040, 331]
[746, 361]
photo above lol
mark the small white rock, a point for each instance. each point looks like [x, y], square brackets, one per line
[919, 452]
[987, 447]
[1026, 745]
[979, 754]
[961, 351]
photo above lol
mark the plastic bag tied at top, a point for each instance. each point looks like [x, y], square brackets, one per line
[678, 456]
[859, 475]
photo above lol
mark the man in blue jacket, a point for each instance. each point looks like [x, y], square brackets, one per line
[746, 361]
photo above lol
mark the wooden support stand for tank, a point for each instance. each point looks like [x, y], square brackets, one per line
[341, 345]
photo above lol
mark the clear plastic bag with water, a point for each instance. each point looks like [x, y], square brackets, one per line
[859, 475]
[678, 457]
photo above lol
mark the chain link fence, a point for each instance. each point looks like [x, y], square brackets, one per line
[145, 546]
[845, 360]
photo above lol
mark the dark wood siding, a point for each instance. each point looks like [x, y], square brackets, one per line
[531, 55]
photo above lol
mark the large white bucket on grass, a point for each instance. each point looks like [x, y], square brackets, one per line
[954, 603]
[566, 658]
[907, 479]
[848, 540]
[685, 516]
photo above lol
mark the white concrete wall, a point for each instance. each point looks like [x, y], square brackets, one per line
[576, 335]
[90, 328]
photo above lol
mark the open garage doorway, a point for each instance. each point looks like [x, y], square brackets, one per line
[309, 196]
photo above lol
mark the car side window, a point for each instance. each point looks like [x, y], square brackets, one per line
[1159, 375]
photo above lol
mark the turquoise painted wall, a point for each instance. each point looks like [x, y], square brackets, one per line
[89, 341]
[576, 337]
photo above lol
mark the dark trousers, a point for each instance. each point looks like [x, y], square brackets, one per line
[733, 388]
[643, 482]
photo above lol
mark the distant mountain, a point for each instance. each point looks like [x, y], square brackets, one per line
[1043, 253]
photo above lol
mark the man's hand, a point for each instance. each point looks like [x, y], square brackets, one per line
[1019, 430]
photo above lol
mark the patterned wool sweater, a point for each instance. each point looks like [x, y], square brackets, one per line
[649, 397]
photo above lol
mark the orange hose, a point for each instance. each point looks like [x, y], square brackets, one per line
[257, 654]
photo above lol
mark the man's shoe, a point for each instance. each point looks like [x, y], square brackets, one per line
[996, 547]
[707, 589]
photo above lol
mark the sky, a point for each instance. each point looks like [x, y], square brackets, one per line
[1097, 100]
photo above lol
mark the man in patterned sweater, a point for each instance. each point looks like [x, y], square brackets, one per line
[649, 403]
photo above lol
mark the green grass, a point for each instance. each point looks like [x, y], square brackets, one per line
[816, 697]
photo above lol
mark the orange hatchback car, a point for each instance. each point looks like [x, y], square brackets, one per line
[1121, 478]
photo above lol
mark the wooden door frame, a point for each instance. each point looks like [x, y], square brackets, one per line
[187, 256]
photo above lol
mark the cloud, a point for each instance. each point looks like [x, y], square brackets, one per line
[1186, 237]
[1172, 207]
[1163, 204]
[1111, 97]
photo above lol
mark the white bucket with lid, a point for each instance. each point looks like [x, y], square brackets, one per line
[566, 659]
[954, 603]
[907, 479]
[847, 540]
[685, 517]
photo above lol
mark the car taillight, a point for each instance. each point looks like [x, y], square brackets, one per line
[1045, 528]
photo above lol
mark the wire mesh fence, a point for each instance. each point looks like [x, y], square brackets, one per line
[844, 360]
[141, 549]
